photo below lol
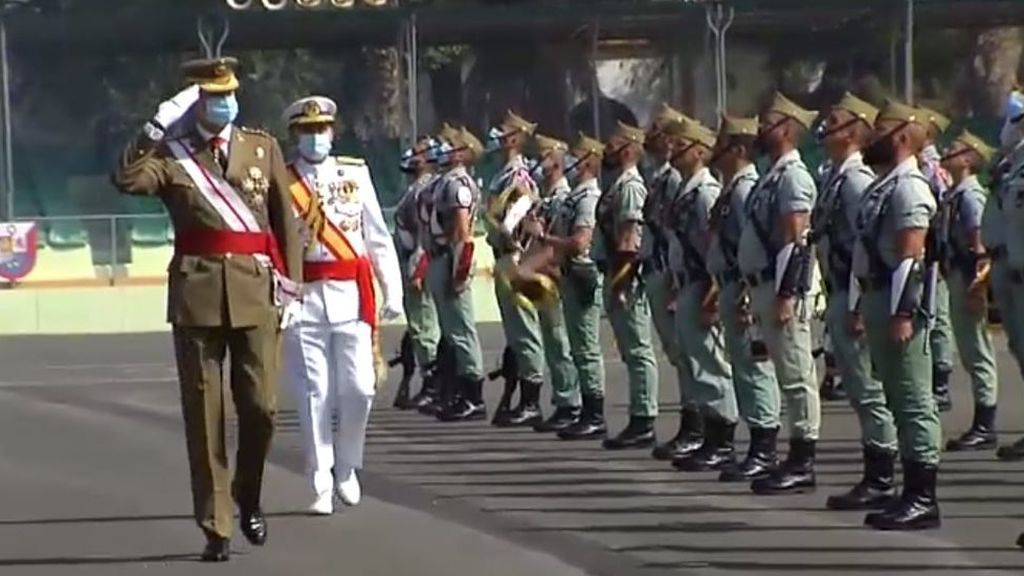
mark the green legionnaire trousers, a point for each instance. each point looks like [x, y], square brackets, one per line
[974, 343]
[867, 396]
[940, 336]
[790, 348]
[659, 293]
[757, 390]
[521, 328]
[631, 325]
[704, 349]
[421, 322]
[1003, 293]
[564, 384]
[582, 306]
[254, 354]
[456, 317]
[906, 374]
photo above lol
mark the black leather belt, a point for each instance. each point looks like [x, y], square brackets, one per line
[763, 277]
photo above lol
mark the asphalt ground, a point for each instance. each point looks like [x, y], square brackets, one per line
[93, 480]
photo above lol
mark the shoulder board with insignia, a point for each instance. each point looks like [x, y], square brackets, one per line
[256, 131]
[350, 160]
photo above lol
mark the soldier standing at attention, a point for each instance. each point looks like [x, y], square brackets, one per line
[776, 262]
[237, 256]
[617, 251]
[941, 334]
[554, 190]
[510, 194]
[843, 134]
[698, 326]
[757, 391]
[889, 265]
[571, 235]
[662, 183]
[329, 352]
[412, 241]
[967, 269]
[994, 230]
[450, 272]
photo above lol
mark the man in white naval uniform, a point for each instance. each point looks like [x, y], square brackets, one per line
[329, 352]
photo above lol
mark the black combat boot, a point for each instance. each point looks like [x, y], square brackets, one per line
[528, 412]
[562, 418]
[508, 371]
[940, 388]
[440, 385]
[591, 422]
[428, 388]
[407, 359]
[716, 452]
[876, 490]
[761, 458]
[687, 440]
[794, 476]
[917, 508]
[1012, 453]
[469, 405]
[639, 433]
[982, 433]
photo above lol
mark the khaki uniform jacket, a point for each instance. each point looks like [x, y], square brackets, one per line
[218, 290]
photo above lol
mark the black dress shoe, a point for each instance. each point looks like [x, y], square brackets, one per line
[761, 459]
[1012, 453]
[639, 433]
[562, 418]
[528, 413]
[716, 452]
[590, 424]
[940, 389]
[794, 476]
[1020, 540]
[981, 435]
[254, 525]
[217, 550]
[687, 440]
[832, 390]
[917, 508]
[876, 490]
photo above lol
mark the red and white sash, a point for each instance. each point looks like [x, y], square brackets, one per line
[236, 214]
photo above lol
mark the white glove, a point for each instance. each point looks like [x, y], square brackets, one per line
[390, 311]
[291, 314]
[170, 111]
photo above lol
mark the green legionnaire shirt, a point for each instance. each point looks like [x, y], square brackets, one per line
[896, 201]
[578, 210]
[834, 219]
[967, 204]
[787, 187]
[689, 219]
[662, 185]
[407, 219]
[996, 226]
[552, 199]
[726, 221]
[622, 203]
[456, 190]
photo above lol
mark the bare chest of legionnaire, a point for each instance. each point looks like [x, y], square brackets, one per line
[455, 190]
[338, 186]
[663, 183]
[833, 219]
[622, 202]
[897, 201]
[407, 213]
[726, 222]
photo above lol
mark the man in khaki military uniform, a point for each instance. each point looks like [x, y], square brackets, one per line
[236, 249]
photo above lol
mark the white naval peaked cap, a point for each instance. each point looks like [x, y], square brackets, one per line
[311, 110]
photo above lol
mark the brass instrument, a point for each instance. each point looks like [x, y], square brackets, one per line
[535, 278]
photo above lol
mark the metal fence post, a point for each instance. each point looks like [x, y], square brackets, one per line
[113, 249]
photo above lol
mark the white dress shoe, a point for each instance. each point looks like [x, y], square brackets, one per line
[349, 490]
[323, 505]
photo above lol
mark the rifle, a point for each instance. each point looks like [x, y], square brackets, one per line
[509, 371]
[407, 359]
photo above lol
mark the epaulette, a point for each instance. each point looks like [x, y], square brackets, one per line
[350, 161]
[256, 131]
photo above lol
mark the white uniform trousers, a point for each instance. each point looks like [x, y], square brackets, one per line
[331, 369]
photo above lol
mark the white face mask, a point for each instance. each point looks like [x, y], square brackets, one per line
[316, 147]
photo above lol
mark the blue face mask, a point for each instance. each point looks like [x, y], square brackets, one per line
[494, 137]
[221, 110]
[444, 153]
[316, 147]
